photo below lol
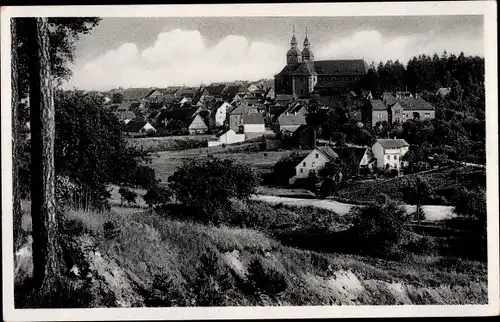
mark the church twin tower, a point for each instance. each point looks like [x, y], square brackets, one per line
[294, 56]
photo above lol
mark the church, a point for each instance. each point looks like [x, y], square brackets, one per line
[303, 75]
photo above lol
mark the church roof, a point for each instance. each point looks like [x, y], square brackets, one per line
[341, 67]
[305, 68]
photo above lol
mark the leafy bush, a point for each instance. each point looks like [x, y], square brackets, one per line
[209, 185]
[90, 148]
[127, 195]
[379, 227]
[144, 177]
[157, 195]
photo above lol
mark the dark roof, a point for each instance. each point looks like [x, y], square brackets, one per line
[134, 105]
[328, 152]
[305, 68]
[125, 115]
[417, 104]
[351, 155]
[135, 94]
[392, 143]
[341, 67]
[215, 90]
[388, 99]
[291, 119]
[253, 118]
[240, 110]
[377, 105]
[135, 126]
[293, 108]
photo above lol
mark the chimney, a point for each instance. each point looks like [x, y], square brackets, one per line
[394, 138]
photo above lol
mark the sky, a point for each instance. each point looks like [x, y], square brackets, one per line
[158, 52]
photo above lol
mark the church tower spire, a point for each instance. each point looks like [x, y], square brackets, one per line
[293, 56]
[293, 42]
[307, 54]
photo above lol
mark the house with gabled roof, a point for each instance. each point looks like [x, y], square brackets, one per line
[253, 123]
[125, 116]
[288, 123]
[198, 125]
[389, 153]
[313, 162]
[136, 127]
[375, 111]
[408, 108]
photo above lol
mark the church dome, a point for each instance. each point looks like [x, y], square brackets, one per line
[307, 54]
[294, 52]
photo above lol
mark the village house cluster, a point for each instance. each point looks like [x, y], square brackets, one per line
[275, 109]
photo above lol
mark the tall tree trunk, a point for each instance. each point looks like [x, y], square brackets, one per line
[16, 209]
[46, 247]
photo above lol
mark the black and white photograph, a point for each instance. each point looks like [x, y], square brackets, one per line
[239, 160]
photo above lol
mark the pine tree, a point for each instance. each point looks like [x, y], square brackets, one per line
[47, 252]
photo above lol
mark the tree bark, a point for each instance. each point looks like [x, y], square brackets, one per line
[46, 248]
[16, 196]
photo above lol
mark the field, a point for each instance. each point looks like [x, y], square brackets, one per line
[166, 162]
[155, 144]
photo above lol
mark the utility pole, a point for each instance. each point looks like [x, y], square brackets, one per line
[47, 254]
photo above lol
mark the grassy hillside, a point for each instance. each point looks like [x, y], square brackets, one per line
[443, 181]
[156, 260]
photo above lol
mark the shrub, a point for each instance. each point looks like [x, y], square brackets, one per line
[73, 227]
[166, 293]
[209, 185]
[378, 227]
[144, 177]
[111, 230]
[214, 282]
[266, 278]
[127, 195]
[157, 196]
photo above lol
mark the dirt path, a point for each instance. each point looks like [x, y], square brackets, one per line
[432, 213]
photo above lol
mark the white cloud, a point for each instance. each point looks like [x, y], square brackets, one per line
[183, 57]
[180, 57]
[374, 47]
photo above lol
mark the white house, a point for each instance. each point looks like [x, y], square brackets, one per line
[253, 123]
[220, 112]
[198, 125]
[389, 153]
[230, 137]
[313, 162]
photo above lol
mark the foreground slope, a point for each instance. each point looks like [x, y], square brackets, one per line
[157, 261]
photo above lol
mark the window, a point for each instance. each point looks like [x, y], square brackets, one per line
[313, 164]
[317, 155]
[301, 170]
[395, 165]
[396, 157]
[396, 111]
[303, 164]
[427, 115]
